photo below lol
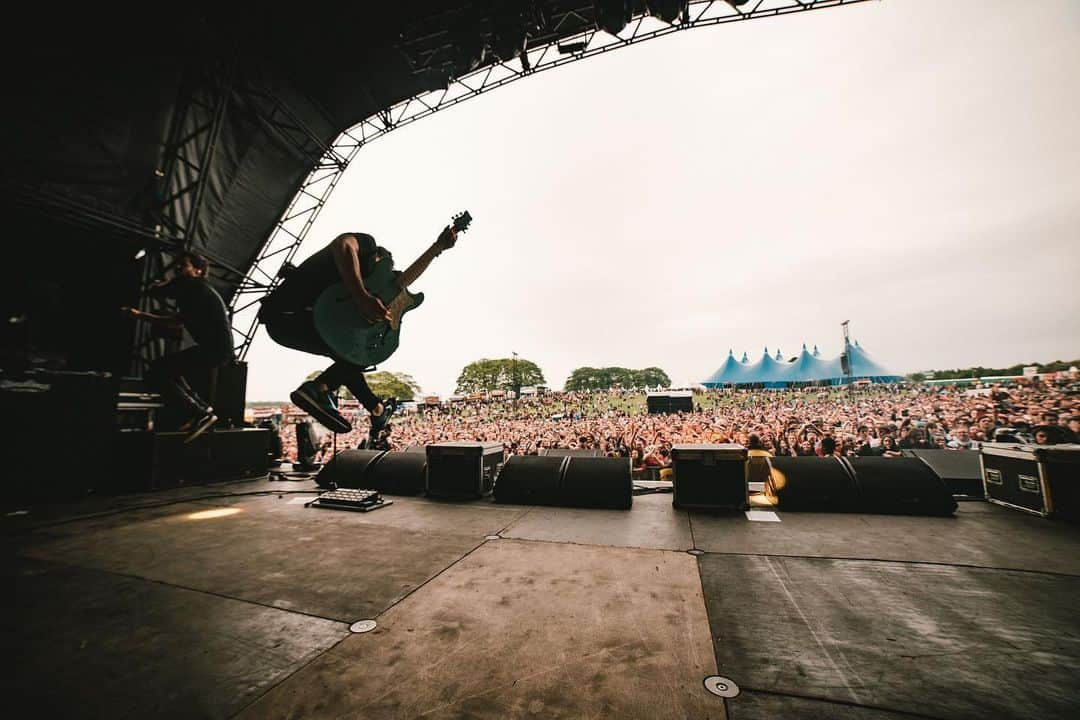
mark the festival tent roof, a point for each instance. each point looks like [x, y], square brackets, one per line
[863, 366]
[726, 373]
[766, 371]
[807, 367]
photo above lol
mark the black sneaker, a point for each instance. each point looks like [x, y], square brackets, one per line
[200, 426]
[379, 422]
[320, 406]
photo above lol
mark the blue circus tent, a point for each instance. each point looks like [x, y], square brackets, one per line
[766, 372]
[727, 373]
[806, 368]
[773, 372]
[864, 367]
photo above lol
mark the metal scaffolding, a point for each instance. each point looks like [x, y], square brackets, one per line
[559, 46]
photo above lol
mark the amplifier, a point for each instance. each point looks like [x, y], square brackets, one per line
[1038, 479]
[463, 469]
[54, 424]
[710, 476]
[145, 461]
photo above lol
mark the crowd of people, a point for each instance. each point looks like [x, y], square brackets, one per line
[880, 420]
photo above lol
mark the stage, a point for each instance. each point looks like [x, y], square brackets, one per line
[139, 607]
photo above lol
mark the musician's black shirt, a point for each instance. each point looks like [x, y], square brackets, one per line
[203, 313]
[303, 285]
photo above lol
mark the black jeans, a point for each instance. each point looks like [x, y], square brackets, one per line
[168, 376]
[296, 330]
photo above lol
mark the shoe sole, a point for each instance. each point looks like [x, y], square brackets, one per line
[201, 428]
[309, 405]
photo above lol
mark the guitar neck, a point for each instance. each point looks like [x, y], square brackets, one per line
[414, 271]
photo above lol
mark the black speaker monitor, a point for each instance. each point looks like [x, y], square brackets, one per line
[348, 469]
[958, 469]
[900, 486]
[821, 484]
[598, 482]
[397, 473]
[531, 480]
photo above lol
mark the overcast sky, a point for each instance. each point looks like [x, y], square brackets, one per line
[912, 166]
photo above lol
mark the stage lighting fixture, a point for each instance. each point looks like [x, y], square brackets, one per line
[667, 10]
[140, 254]
[572, 47]
[612, 15]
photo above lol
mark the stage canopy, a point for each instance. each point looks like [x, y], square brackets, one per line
[806, 369]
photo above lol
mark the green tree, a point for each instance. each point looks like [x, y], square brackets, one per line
[383, 384]
[399, 385]
[590, 378]
[499, 374]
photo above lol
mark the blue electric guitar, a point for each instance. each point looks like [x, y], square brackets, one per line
[355, 338]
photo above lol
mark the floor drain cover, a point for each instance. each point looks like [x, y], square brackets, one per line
[695, 551]
[721, 686]
[362, 626]
[491, 537]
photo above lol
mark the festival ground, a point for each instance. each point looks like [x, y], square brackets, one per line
[140, 607]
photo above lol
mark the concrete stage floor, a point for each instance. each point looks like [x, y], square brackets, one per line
[135, 607]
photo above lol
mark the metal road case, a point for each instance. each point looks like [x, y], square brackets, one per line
[711, 477]
[463, 469]
[1038, 479]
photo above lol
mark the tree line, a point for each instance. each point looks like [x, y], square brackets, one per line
[512, 374]
[980, 371]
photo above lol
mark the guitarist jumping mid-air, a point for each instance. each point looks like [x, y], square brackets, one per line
[345, 302]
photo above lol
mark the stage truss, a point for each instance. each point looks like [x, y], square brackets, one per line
[294, 225]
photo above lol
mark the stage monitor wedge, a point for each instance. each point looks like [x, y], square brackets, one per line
[900, 486]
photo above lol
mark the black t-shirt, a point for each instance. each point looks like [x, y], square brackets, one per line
[302, 287]
[203, 313]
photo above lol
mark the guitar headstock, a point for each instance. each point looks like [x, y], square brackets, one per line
[462, 220]
[460, 223]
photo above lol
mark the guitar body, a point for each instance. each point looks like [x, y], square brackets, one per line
[351, 336]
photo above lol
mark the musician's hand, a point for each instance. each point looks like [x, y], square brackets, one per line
[447, 238]
[372, 308]
[129, 311]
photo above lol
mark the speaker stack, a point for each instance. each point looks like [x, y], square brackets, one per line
[391, 473]
[814, 484]
[583, 482]
[901, 486]
[958, 469]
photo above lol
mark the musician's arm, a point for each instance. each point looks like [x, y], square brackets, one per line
[445, 240]
[346, 254]
[167, 321]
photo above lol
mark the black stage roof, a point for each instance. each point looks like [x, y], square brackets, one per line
[94, 97]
